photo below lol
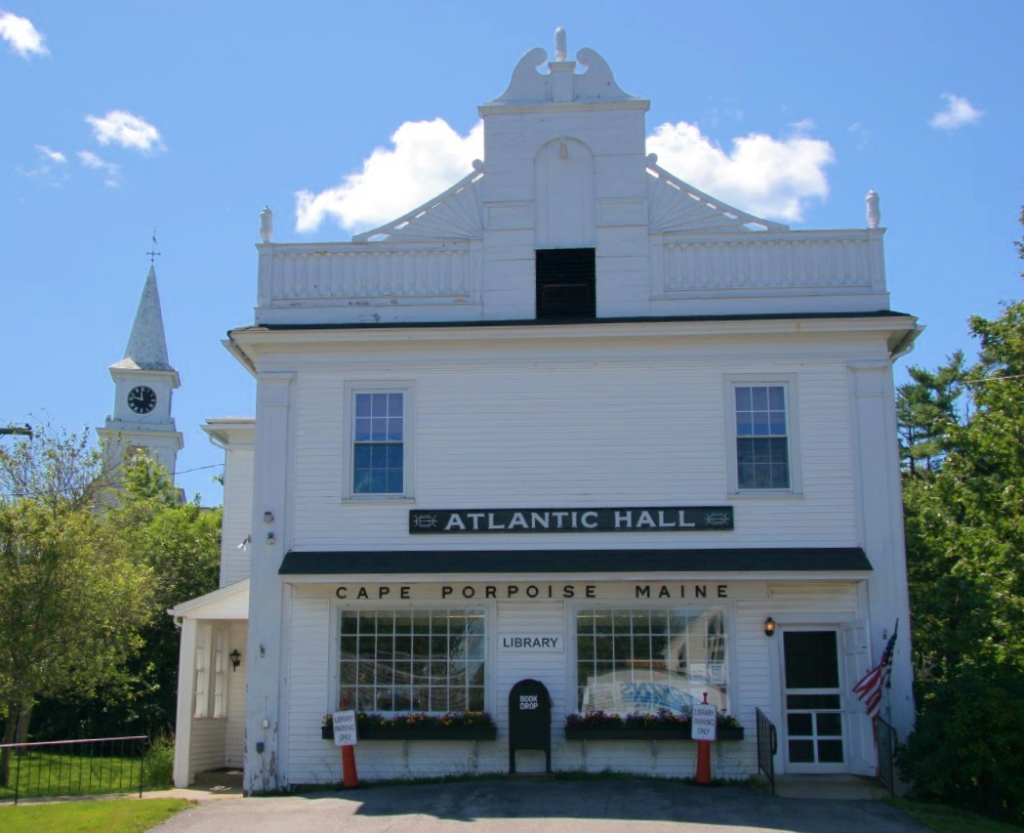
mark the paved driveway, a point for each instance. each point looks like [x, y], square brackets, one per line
[597, 806]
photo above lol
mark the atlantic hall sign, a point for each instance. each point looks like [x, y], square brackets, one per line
[627, 519]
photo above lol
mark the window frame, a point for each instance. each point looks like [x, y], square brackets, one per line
[728, 641]
[407, 389]
[395, 606]
[788, 383]
[210, 690]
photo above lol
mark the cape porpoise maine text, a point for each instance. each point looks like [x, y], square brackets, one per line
[630, 519]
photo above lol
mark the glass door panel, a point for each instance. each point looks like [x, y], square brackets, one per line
[813, 700]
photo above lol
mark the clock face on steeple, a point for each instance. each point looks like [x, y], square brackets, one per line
[141, 399]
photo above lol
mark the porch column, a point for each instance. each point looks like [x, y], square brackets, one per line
[186, 685]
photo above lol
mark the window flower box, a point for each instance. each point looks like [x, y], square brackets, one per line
[428, 733]
[660, 726]
[463, 726]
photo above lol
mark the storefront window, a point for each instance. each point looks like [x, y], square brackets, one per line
[413, 660]
[642, 660]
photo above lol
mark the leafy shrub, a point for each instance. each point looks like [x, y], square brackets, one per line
[968, 745]
[159, 766]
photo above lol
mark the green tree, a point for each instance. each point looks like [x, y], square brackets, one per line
[179, 543]
[72, 599]
[926, 410]
[965, 557]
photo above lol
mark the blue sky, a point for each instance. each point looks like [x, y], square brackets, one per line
[116, 117]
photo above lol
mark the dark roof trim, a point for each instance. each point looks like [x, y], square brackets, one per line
[533, 322]
[393, 562]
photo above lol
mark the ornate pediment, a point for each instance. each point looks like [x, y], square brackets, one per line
[676, 206]
[456, 214]
[561, 82]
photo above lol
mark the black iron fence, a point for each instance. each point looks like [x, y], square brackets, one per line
[72, 767]
[767, 746]
[886, 738]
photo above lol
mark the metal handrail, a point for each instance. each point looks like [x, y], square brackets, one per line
[767, 747]
[885, 737]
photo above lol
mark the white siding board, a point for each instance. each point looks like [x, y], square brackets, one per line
[647, 431]
[207, 748]
[308, 687]
[237, 519]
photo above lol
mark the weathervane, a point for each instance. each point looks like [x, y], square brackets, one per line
[154, 254]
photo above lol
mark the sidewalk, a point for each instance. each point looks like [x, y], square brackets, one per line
[209, 786]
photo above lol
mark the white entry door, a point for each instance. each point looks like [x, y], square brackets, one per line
[812, 702]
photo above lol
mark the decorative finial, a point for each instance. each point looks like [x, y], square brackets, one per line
[266, 224]
[154, 254]
[874, 214]
[560, 46]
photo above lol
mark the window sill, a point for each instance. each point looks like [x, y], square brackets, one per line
[765, 494]
[379, 500]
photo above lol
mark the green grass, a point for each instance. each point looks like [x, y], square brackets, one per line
[117, 816]
[944, 819]
[46, 775]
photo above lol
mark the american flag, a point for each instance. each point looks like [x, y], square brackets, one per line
[869, 688]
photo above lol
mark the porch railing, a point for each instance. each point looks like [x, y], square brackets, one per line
[886, 737]
[767, 746]
[72, 767]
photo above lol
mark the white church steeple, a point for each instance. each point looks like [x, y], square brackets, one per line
[143, 383]
[147, 345]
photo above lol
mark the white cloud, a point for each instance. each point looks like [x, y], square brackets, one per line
[91, 160]
[958, 112]
[858, 130]
[126, 130]
[425, 159]
[52, 155]
[768, 177]
[23, 37]
[803, 126]
[45, 170]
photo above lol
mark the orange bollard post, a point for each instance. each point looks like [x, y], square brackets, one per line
[704, 763]
[704, 751]
[349, 777]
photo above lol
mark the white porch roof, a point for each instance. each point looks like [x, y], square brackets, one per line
[231, 602]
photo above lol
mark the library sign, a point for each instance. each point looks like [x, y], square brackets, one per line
[627, 519]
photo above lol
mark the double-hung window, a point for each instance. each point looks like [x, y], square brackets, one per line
[762, 457]
[379, 458]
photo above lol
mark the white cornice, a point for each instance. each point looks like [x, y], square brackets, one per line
[251, 339]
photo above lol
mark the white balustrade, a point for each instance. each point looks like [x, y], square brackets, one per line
[827, 262]
[292, 274]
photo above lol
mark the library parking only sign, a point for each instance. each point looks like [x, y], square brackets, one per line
[345, 728]
[704, 722]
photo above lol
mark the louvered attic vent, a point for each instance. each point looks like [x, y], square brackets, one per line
[565, 283]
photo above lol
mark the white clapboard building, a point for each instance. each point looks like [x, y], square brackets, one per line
[571, 421]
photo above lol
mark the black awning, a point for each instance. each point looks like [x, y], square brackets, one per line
[582, 562]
